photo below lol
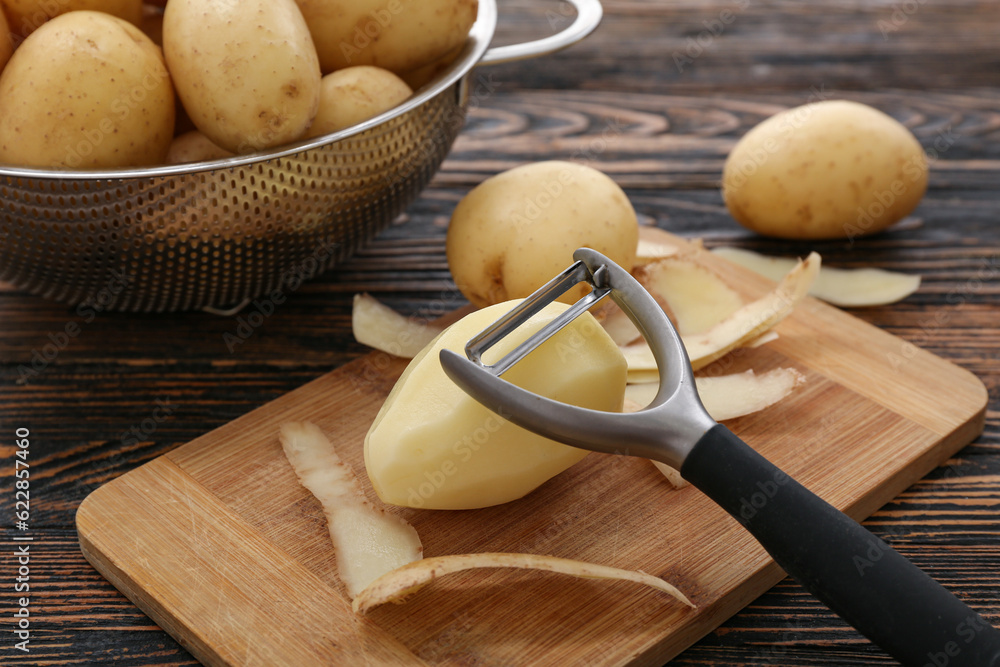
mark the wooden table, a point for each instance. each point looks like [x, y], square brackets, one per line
[655, 98]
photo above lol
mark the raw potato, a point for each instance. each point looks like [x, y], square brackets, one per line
[350, 96]
[194, 146]
[434, 446]
[26, 16]
[87, 90]
[368, 542]
[397, 35]
[832, 169]
[841, 287]
[403, 582]
[651, 251]
[246, 72]
[376, 325]
[517, 230]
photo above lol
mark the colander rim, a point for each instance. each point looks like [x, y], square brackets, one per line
[477, 42]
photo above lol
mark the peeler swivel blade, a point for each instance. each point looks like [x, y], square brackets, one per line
[665, 431]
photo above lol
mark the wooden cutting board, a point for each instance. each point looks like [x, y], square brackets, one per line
[217, 542]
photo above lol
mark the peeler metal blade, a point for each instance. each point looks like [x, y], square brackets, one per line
[665, 431]
[486, 339]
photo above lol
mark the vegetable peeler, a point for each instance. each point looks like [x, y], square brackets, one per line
[855, 573]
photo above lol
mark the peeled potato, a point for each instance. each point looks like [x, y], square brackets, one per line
[350, 96]
[515, 231]
[87, 90]
[246, 72]
[434, 446]
[832, 169]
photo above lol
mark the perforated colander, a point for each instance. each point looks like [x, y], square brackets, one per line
[218, 234]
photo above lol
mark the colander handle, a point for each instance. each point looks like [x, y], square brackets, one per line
[588, 16]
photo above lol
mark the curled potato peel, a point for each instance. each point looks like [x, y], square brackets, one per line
[401, 583]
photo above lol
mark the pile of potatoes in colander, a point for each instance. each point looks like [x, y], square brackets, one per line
[106, 84]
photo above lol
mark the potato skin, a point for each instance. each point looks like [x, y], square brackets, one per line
[517, 230]
[350, 96]
[87, 90]
[397, 35]
[828, 170]
[26, 16]
[246, 72]
[420, 77]
[194, 146]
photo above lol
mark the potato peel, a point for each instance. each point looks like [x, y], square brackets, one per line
[395, 586]
[840, 287]
[367, 541]
[673, 476]
[762, 339]
[755, 318]
[728, 396]
[739, 394]
[743, 327]
[724, 397]
[696, 297]
[618, 325]
[649, 250]
[376, 325]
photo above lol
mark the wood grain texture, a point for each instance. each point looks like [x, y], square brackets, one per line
[203, 575]
[664, 135]
[220, 523]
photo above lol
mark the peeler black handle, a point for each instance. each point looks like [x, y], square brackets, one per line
[860, 577]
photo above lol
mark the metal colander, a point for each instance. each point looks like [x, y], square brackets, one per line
[218, 234]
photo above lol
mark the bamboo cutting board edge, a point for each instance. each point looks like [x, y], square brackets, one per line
[282, 612]
[654, 654]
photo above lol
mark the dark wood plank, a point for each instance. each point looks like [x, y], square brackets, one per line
[736, 47]
[618, 101]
